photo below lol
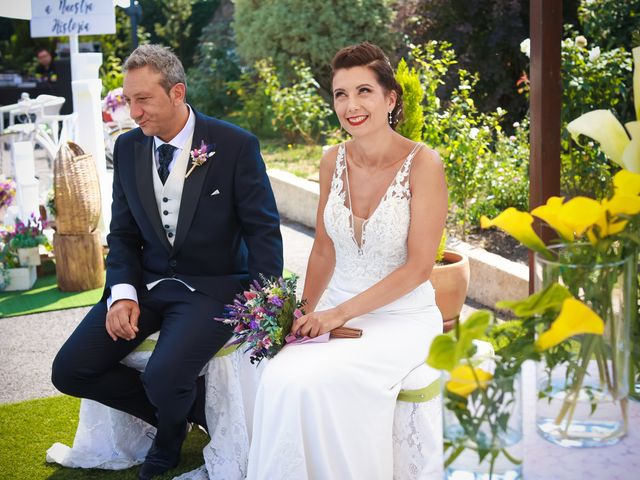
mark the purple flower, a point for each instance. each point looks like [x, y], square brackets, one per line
[275, 300]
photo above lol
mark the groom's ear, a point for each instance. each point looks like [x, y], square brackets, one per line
[178, 93]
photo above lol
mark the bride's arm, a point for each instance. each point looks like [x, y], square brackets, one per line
[322, 259]
[428, 215]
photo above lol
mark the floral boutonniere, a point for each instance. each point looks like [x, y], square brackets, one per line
[199, 156]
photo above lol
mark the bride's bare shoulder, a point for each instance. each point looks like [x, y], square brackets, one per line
[328, 161]
[427, 161]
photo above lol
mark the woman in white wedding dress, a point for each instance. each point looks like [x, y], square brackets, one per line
[325, 410]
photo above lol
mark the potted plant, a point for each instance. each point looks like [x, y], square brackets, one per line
[12, 275]
[450, 279]
[25, 240]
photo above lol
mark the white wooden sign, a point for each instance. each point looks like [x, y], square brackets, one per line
[57, 18]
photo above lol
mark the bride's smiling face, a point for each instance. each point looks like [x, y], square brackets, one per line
[361, 103]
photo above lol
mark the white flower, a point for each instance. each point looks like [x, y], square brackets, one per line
[581, 41]
[525, 46]
[516, 124]
[473, 133]
[594, 53]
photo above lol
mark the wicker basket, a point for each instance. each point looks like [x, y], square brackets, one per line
[76, 191]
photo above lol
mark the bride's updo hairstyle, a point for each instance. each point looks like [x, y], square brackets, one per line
[371, 56]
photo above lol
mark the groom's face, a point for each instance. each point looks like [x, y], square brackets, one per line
[156, 111]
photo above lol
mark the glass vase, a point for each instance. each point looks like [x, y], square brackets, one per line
[583, 386]
[634, 377]
[483, 431]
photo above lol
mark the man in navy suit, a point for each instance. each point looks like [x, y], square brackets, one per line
[193, 221]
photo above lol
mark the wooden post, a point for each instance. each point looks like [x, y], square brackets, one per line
[545, 106]
[79, 261]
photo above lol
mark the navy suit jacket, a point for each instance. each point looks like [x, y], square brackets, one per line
[222, 241]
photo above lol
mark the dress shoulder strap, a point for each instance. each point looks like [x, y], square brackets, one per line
[403, 173]
[337, 182]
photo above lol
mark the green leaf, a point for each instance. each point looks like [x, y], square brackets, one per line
[442, 353]
[476, 324]
[539, 302]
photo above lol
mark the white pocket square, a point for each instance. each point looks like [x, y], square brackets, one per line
[215, 192]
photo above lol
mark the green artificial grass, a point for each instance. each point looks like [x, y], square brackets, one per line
[44, 297]
[28, 429]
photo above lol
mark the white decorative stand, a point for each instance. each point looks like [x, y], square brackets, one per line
[87, 106]
[26, 182]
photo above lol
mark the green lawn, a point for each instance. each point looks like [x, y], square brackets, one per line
[28, 429]
[301, 160]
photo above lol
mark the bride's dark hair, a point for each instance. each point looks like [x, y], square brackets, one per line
[371, 56]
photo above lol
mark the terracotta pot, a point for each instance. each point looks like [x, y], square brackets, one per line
[451, 282]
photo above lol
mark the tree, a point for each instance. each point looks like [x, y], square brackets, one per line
[309, 30]
[177, 24]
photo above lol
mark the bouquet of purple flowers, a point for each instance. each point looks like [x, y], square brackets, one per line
[263, 316]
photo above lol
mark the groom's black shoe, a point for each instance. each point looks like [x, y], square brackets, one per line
[163, 455]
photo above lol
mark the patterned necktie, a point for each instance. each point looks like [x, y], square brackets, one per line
[165, 155]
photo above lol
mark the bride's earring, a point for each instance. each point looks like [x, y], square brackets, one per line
[390, 115]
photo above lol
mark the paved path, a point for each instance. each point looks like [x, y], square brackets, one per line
[29, 343]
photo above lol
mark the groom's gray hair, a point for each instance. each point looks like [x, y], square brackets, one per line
[162, 60]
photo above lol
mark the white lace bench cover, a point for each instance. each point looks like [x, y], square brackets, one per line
[113, 440]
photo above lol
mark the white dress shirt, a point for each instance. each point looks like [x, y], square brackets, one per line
[122, 291]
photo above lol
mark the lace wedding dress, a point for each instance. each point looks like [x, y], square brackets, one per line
[326, 410]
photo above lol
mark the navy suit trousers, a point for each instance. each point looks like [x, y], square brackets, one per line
[88, 364]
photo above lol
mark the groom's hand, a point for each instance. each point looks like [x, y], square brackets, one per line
[122, 320]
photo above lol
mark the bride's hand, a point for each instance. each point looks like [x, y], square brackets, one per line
[317, 323]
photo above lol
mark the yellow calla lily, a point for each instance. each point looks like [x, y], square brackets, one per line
[463, 381]
[626, 182]
[622, 205]
[518, 225]
[609, 223]
[550, 214]
[604, 128]
[580, 213]
[575, 318]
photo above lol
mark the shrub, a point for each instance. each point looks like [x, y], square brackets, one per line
[591, 79]
[256, 111]
[111, 74]
[504, 175]
[485, 35]
[413, 93]
[296, 111]
[611, 23]
[462, 134]
[216, 64]
[310, 30]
